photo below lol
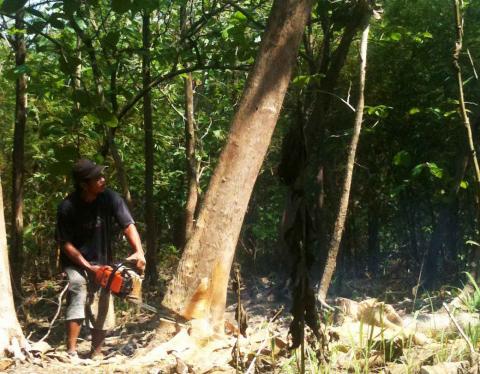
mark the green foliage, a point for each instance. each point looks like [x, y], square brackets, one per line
[12, 6]
[473, 300]
[122, 6]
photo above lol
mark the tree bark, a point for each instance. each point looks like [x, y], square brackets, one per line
[11, 334]
[151, 274]
[344, 200]
[18, 155]
[208, 255]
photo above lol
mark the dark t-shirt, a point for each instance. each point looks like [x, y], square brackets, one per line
[89, 226]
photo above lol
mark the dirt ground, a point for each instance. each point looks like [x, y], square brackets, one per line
[351, 345]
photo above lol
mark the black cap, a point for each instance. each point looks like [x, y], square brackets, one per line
[85, 169]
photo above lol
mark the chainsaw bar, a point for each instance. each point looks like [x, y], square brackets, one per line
[148, 307]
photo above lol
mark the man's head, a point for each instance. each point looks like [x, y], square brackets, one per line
[88, 176]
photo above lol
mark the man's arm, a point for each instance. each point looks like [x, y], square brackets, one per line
[76, 257]
[134, 240]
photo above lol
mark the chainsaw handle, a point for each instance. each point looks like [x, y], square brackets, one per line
[133, 265]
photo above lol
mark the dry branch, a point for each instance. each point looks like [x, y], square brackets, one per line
[460, 330]
[56, 314]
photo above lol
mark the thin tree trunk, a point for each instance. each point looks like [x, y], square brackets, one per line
[190, 144]
[208, 255]
[433, 258]
[151, 255]
[18, 155]
[310, 129]
[11, 334]
[342, 212]
[373, 240]
[77, 75]
[413, 257]
[192, 164]
[461, 97]
[466, 120]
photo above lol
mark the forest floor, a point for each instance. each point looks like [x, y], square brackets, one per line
[361, 336]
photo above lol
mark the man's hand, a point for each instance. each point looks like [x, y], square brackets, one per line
[94, 268]
[138, 259]
[134, 240]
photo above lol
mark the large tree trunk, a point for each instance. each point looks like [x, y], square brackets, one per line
[208, 255]
[18, 156]
[151, 255]
[11, 335]
[343, 208]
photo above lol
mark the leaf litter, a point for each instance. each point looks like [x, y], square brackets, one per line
[362, 336]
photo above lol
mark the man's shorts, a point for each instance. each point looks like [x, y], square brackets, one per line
[88, 301]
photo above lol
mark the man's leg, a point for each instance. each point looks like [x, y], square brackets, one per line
[73, 331]
[76, 299]
[101, 317]
[98, 338]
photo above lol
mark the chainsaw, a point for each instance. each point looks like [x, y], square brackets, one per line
[122, 282]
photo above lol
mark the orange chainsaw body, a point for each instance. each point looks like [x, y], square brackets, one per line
[113, 280]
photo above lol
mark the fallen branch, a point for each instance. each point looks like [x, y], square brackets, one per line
[460, 330]
[56, 314]
[325, 305]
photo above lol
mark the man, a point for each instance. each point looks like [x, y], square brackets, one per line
[85, 221]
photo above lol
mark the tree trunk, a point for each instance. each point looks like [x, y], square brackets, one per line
[18, 156]
[11, 335]
[309, 131]
[466, 120]
[412, 257]
[207, 258]
[433, 259]
[342, 212]
[151, 255]
[373, 240]
[76, 86]
[192, 164]
[190, 144]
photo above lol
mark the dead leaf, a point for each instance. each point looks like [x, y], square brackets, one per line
[181, 367]
[5, 363]
[231, 329]
[40, 347]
